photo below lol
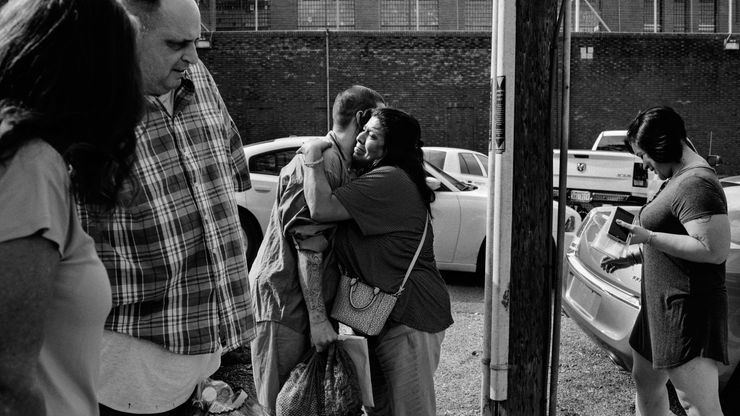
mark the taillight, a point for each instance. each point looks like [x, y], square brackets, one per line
[639, 176]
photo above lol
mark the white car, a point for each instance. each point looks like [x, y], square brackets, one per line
[459, 211]
[464, 165]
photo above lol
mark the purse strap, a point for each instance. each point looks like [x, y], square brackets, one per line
[416, 256]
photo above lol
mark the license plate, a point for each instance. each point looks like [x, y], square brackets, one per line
[580, 196]
[588, 300]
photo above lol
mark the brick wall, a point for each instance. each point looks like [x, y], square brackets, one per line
[628, 72]
[274, 83]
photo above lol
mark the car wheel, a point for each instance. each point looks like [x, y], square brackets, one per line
[252, 229]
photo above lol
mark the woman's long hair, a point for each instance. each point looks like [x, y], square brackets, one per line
[69, 76]
[403, 148]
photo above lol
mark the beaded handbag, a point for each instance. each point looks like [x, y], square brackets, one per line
[365, 308]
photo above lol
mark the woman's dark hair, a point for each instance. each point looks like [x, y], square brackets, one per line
[660, 132]
[69, 75]
[403, 147]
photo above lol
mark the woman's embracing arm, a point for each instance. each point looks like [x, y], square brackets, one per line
[322, 204]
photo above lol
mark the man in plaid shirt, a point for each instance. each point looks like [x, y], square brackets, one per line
[174, 250]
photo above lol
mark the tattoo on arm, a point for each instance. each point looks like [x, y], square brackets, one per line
[309, 265]
[700, 238]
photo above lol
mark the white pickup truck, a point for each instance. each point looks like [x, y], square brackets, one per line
[606, 174]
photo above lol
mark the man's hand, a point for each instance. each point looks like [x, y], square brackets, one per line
[322, 335]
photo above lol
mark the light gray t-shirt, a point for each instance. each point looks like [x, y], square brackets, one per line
[36, 198]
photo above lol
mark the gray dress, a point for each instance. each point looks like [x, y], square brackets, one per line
[684, 304]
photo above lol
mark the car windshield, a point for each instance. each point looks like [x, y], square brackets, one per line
[457, 184]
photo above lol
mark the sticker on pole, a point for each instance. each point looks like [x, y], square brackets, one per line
[499, 131]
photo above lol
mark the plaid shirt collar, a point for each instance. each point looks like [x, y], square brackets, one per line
[183, 95]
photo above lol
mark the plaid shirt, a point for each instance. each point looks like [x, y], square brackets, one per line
[174, 251]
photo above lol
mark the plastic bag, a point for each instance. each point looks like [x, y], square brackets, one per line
[325, 384]
[215, 397]
[342, 395]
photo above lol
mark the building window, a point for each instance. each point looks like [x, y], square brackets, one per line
[478, 14]
[585, 18]
[235, 14]
[314, 14]
[680, 16]
[650, 9]
[707, 15]
[402, 14]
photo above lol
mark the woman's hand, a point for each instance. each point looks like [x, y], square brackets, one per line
[312, 150]
[610, 265]
[639, 234]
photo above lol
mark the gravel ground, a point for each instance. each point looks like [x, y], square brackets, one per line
[589, 383]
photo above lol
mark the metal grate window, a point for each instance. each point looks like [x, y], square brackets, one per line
[707, 15]
[235, 14]
[326, 14]
[648, 17]
[402, 14]
[587, 20]
[478, 14]
[681, 16]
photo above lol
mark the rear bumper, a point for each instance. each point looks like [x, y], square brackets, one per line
[604, 312]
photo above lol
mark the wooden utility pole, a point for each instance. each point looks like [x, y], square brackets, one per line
[521, 265]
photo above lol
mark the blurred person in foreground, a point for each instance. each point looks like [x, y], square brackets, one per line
[294, 276]
[681, 330]
[70, 98]
[174, 252]
[383, 213]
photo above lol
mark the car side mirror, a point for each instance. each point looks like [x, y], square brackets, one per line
[433, 183]
[714, 160]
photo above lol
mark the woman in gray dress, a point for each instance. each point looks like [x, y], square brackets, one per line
[681, 330]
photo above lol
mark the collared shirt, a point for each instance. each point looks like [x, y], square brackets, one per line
[276, 290]
[174, 250]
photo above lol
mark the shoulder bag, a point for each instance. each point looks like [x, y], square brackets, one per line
[365, 308]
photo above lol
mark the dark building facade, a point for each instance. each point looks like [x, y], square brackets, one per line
[666, 16]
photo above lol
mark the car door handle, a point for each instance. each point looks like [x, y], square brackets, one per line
[262, 190]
